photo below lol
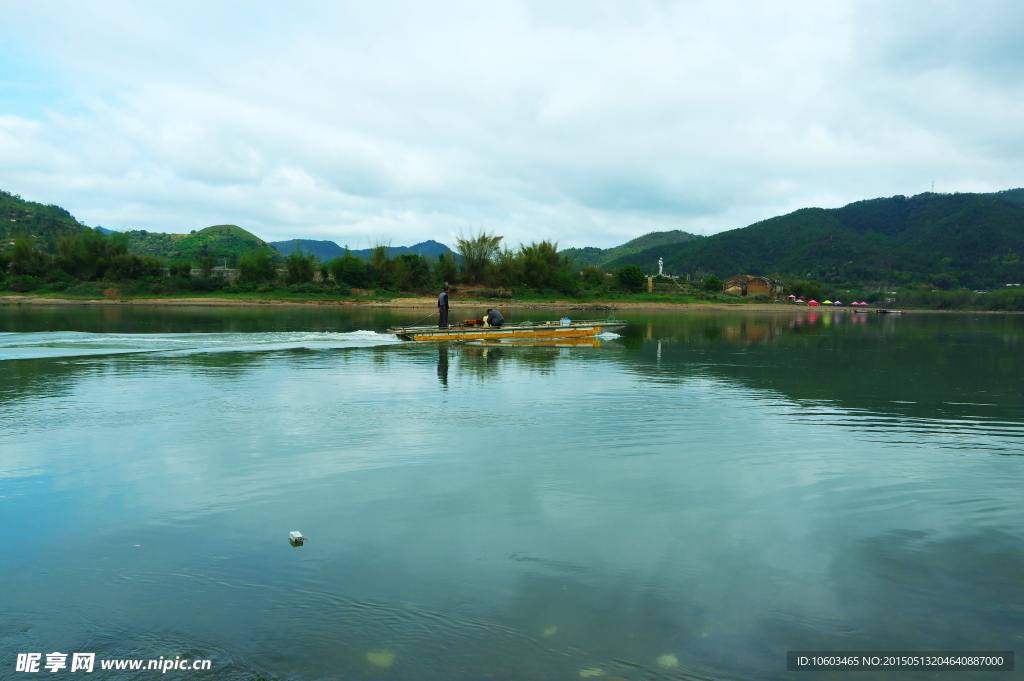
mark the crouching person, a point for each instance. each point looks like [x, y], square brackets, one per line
[493, 318]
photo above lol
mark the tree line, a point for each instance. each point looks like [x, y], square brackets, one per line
[480, 260]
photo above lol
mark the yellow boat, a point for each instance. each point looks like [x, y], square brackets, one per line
[523, 331]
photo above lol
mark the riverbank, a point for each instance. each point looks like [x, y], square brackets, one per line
[457, 304]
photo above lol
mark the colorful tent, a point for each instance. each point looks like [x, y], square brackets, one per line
[827, 302]
[813, 303]
[799, 300]
[837, 303]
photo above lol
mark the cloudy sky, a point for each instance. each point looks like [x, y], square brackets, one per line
[588, 123]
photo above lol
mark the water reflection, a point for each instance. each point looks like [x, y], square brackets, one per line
[442, 364]
[691, 500]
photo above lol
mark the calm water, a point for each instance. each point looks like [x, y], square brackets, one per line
[690, 500]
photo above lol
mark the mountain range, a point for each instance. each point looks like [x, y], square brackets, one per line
[942, 240]
[328, 250]
[945, 240]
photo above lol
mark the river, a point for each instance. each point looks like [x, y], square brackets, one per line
[692, 499]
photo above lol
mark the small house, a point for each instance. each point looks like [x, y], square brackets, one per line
[752, 285]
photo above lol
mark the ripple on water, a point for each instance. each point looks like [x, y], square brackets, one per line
[77, 344]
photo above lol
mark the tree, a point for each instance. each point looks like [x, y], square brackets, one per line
[381, 268]
[300, 266]
[631, 276]
[348, 270]
[477, 253]
[206, 265]
[411, 270]
[26, 259]
[180, 268]
[539, 262]
[713, 284]
[593, 276]
[445, 270]
[507, 269]
[256, 267]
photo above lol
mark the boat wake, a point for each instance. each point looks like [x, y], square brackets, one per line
[56, 344]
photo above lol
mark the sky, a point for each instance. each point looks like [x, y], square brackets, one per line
[587, 123]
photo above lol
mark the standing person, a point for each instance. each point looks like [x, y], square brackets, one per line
[442, 308]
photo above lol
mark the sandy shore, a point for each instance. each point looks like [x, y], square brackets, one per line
[410, 303]
[456, 304]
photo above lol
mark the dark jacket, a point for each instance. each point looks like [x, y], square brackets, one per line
[494, 318]
[442, 301]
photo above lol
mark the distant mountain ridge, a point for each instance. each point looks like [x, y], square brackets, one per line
[600, 256]
[947, 240]
[944, 240]
[328, 250]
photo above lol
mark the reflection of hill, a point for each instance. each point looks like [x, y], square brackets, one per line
[916, 365]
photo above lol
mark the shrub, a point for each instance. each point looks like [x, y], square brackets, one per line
[445, 270]
[807, 289]
[348, 270]
[564, 280]
[478, 253]
[593, 276]
[180, 268]
[58, 276]
[301, 266]
[631, 277]
[207, 285]
[713, 284]
[23, 282]
[256, 267]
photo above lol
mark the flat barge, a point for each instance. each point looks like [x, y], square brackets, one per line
[523, 331]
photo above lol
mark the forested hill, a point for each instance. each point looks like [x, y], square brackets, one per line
[948, 240]
[327, 250]
[222, 242]
[46, 223]
[599, 256]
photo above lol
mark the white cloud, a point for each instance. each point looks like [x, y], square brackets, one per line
[586, 123]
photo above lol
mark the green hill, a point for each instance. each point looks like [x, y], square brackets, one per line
[46, 223]
[948, 240]
[228, 242]
[600, 256]
[1011, 195]
[327, 250]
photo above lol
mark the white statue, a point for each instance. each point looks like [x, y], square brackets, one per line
[660, 263]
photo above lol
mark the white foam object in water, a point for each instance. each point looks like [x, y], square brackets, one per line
[296, 537]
